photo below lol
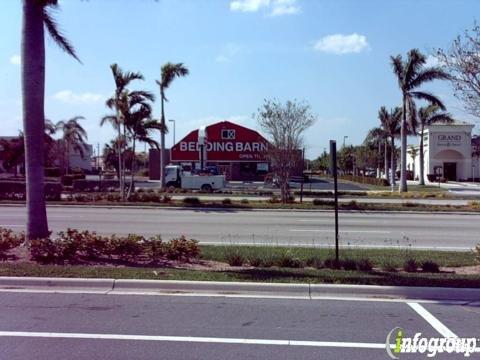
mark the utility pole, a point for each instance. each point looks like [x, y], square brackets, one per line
[333, 166]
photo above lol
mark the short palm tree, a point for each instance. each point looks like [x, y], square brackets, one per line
[139, 125]
[390, 123]
[378, 138]
[121, 103]
[37, 15]
[73, 138]
[411, 74]
[169, 72]
[427, 116]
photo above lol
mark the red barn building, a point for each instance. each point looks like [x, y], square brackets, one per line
[238, 152]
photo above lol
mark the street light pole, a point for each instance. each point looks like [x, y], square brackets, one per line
[173, 121]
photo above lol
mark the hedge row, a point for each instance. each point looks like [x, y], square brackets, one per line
[365, 180]
[75, 246]
[15, 190]
[97, 185]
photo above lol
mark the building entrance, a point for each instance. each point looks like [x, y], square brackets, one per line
[450, 171]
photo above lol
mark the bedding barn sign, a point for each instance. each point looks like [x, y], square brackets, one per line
[226, 141]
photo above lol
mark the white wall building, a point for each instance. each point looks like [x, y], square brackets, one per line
[448, 151]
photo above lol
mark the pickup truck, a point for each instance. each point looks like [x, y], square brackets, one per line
[174, 176]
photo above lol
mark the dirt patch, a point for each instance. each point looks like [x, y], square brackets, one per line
[463, 270]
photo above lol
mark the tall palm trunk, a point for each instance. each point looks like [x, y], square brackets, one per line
[403, 160]
[33, 93]
[162, 141]
[386, 159]
[132, 170]
[120, 162]
[392, 163]
[422, 159]
[67, 163]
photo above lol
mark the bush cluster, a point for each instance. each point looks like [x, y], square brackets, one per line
[68, 180]
[15, 190]
[9, 240]
[138, 196]
[75, 246]
[365, 180]
[287, 259]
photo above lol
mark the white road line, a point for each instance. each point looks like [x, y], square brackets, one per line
[214, 340]
[432, 320]
[344, 231]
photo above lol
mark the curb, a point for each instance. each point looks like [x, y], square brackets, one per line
[246, 289]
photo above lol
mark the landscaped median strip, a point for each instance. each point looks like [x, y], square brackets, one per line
[237, 289]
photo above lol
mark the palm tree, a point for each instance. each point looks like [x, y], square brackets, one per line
[169, 72]
[378, 137]
[73, 137]
[121, 102]
[139, 125]
[427, 116]
[36, 16]
[390, 123]
[411, 74]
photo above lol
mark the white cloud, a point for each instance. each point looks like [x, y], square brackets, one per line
[284, 7]
[340, 44]
[248, 5]
[68, 96]
[15, 60]
[228, 52]
[275, 7]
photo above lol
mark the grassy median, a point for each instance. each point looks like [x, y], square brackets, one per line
[214, 266]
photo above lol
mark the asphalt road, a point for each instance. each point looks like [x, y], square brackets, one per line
[120, 327]
[295, 228]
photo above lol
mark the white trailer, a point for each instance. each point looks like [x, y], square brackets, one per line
[174, 176]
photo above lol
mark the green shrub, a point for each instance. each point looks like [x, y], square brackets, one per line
[389, 266]
[154, 248]
[182, 248]
[349, 264]
[227, 201]
[351, 205]
[365, 180]
[15, 190]
[234, 257]
[191, 200]
[113, 197]
[287, 259]
[43, 250]
[82, 198]
[166, 198]
[127, 248]
[244, 201]
[430, 266]
[411, 265]
[477, 253]
[314, 262]
[364, 264]
[275, 199]
[52, 172]
[255, 260]
[9, 240]
[321, 202]
[332, 263]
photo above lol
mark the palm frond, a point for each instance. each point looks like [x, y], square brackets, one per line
[427, 75]
[415, 61]
[398, 68]
[432, 99]
[56, 34]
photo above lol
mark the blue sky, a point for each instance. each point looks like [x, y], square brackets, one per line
[333, 54]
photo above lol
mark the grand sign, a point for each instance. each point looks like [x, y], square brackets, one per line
[449, 140]
[226, 141]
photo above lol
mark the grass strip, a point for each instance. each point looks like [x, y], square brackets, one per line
[258, 275]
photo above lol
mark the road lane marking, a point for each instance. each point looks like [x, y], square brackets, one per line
[344, 231]
[195, 339]
[432, 320]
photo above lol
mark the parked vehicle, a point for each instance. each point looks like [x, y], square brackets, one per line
[176, 177]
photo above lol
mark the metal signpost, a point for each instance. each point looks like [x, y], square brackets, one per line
[333, 169]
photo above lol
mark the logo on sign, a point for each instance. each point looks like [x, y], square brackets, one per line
[228, 134]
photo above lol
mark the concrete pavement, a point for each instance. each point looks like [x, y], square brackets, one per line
[93, 326]
[293, 228]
